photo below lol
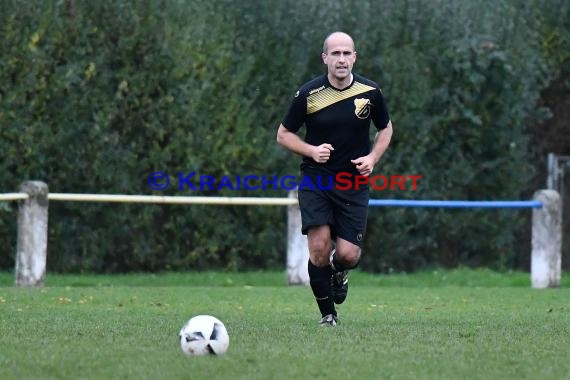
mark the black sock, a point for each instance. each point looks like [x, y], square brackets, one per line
[320, 279]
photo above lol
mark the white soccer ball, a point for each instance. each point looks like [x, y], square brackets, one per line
[204, 335]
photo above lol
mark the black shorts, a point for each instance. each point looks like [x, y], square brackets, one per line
[344, 210]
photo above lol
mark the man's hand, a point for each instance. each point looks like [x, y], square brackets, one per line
[322, 153]
[364, 165]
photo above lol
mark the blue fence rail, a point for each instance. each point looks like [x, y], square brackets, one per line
[453, 204]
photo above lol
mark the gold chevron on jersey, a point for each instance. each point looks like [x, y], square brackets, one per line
[329, 96]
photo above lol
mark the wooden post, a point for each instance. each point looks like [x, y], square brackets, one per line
[546, 258]
[31, 250]
[297, 247]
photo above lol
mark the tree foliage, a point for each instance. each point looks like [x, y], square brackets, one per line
[96, 96]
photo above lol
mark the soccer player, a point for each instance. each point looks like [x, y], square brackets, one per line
[336, 109]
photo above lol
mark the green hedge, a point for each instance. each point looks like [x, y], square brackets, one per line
[96, 96]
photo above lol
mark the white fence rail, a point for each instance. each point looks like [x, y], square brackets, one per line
[13, 196]
[34, 198]
[228, 201]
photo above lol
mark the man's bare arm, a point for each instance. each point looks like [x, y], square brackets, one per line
[365, 164]
[295, 144]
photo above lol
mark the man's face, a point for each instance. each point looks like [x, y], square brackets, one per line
[340, 56]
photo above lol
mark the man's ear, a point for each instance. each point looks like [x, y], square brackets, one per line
[324, 56]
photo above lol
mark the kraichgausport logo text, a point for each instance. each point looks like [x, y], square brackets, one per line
[341, 181]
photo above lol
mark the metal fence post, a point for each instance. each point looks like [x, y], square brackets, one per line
[297, 248]
[546, 257]
[31, 250]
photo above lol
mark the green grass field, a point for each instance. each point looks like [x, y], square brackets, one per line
[434, 325]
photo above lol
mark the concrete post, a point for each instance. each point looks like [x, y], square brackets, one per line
[297, 247]
[546, 257]
[31, 250]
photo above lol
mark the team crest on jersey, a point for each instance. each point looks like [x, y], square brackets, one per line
[362, 108]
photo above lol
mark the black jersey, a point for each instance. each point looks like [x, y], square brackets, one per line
[338, 117]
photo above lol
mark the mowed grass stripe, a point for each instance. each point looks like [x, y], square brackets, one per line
[428, 278]
[112, 330]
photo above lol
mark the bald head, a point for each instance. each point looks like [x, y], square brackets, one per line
[337, 38]
[339, 56]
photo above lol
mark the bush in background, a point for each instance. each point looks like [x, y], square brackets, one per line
[94, 97]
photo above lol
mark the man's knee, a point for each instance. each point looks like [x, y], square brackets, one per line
[347, 256]
[319, 251]
[320, 245]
